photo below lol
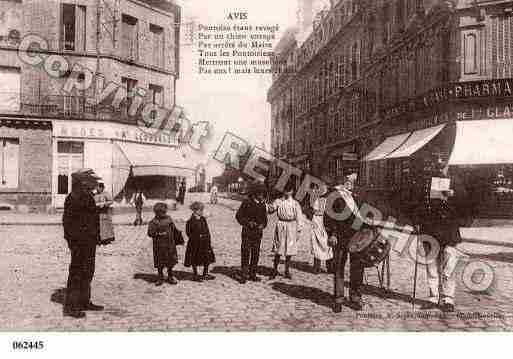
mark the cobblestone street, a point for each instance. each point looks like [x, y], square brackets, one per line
[34, 260]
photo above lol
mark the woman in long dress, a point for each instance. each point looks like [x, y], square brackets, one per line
[321, 251]
[104, 204]
[288, 227]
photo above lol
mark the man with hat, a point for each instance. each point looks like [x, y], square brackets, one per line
[252, 216]
[81, 231]
[340, 215]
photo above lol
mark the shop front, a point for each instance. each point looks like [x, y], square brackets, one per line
[25, 164]
[477, 151]
[127, 159]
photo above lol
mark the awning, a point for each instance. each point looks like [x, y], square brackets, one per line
[416, 141]
[386, 147]
[483, 142]
[151, 160]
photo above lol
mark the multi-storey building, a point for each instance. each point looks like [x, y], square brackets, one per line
[47, 132]
[378, 87]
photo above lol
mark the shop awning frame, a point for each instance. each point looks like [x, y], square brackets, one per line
[416, 141]
[147, 160]
[389, 145]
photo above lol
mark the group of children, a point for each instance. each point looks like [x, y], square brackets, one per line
[166, 237]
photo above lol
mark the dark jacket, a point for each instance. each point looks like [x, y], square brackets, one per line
[81, 220]
[164, 235]
[250, 216]
[442, 219]
[199, 248]
[342, 229]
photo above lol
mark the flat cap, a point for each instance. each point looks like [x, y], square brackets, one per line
[85, 173]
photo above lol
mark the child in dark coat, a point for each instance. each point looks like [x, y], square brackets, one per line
[199, 248]
[164, 234]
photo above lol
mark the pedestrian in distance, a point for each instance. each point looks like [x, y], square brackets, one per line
[81, 231]
[252, 216]
[181, 193]
[138, 201]
[288, 228]
[199, 250]
[213, 194]
[165, 238]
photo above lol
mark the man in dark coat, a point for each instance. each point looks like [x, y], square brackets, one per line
[440, 216]
[252, 216]
[340, 231]
[81, 231]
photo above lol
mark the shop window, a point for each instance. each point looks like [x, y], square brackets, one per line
[70, 158]
[73, 28]
[9, 162]
[10, 88]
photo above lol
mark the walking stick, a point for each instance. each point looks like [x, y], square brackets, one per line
[415, 274]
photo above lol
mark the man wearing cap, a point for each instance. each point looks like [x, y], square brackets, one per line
[252, 216]
[341, 212]
[81, 231]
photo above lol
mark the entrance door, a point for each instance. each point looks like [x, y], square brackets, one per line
[70, 158]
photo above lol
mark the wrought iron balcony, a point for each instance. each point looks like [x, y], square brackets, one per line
[64, 107]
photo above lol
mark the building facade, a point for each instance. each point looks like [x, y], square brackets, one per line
[127, 52]
[358, 73]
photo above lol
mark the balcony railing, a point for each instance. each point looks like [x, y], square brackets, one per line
[64, 107]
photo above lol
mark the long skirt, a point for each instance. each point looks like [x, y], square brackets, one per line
[199, 252]
[319, 240]
[285, 238]
[106, 226]
[164, 253]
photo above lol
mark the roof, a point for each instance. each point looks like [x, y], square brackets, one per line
[166, 5]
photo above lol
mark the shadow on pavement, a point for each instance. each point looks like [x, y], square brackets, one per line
[321, 297]
[235, 273]
[304, 267]
[314, 295]
[232, 272]
[58, 296]
[389, 294]
[153, 277]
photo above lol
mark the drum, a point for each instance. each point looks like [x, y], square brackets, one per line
[369, 247]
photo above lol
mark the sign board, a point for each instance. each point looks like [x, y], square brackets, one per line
[111, 131]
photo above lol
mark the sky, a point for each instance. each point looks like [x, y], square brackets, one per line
[236, 104]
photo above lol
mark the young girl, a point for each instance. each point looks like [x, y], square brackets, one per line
[199, 249]
[164, 234]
